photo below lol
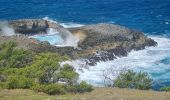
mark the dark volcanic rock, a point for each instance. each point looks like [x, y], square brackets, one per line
[39, 26]
[98, 42]
[33, 26]
[115, 40]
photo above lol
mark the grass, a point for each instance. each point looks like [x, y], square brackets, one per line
[97, 94]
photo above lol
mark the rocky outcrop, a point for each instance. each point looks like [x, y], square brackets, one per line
[101, 42]
[108, 36]
[32, 26]
[37, 26]
[98, 42]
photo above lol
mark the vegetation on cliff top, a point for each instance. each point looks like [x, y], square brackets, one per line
[166, 88]
[133, 80]
[41, 72]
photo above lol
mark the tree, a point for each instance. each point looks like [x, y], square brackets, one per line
[109, 74]
[44, 66]
[83, 87]
[67, 74]
[41, 72]
[133, 80]
[10, 56]
[166, 88]
[15, 82]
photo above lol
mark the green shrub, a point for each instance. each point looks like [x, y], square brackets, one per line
[44, 66]
[2, 85]
[71, 89]
[133, 80]
[38, 87]
[2, 78]
[10, 56]
[167, 88]
[84, 87]
[50, 89]
[15, 82]
[53, 89]
[21, 69]
[68, 74]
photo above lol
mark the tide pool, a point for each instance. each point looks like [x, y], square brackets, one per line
[149, 16]
[54, 39]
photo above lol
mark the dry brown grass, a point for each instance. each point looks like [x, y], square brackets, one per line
[97, 94]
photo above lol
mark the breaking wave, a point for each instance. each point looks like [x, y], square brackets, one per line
[153, 60]
[60, 38]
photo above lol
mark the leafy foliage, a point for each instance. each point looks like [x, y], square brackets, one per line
[12, 57]
[80, 88]
[19, 82]
[133, 80]
[41, 72]
[167, 88]
[44, 66]
[84, 87]
[50, 89]
[67, 74]
[2, 78]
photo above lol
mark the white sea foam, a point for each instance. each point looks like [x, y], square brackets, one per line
[167, 23]
[147, 60]
[50, 20]
[65, 25]
[69, 39]
[6, 30]
[71, 25]
[51, 31]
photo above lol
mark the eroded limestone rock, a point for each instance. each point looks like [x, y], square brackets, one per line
[97, 42]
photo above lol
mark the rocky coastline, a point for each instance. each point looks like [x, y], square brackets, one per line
[97, 42]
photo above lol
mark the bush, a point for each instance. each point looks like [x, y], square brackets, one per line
[167, 88]
[21, 69]
[44, 67]
[10, 56]
[50, 89]
[71, 89]
[2, 85]
[19, 82]
[38, 87]
[84, 87]
[54, 89]
[133, 80]
[2, 78]
[68, 74]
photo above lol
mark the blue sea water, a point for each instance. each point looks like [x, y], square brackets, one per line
[54, 39]
[149, 16]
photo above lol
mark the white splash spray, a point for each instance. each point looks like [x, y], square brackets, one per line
[5, 29]
[148, 60]
[69, 39]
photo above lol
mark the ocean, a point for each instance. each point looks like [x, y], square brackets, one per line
[149, 16]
